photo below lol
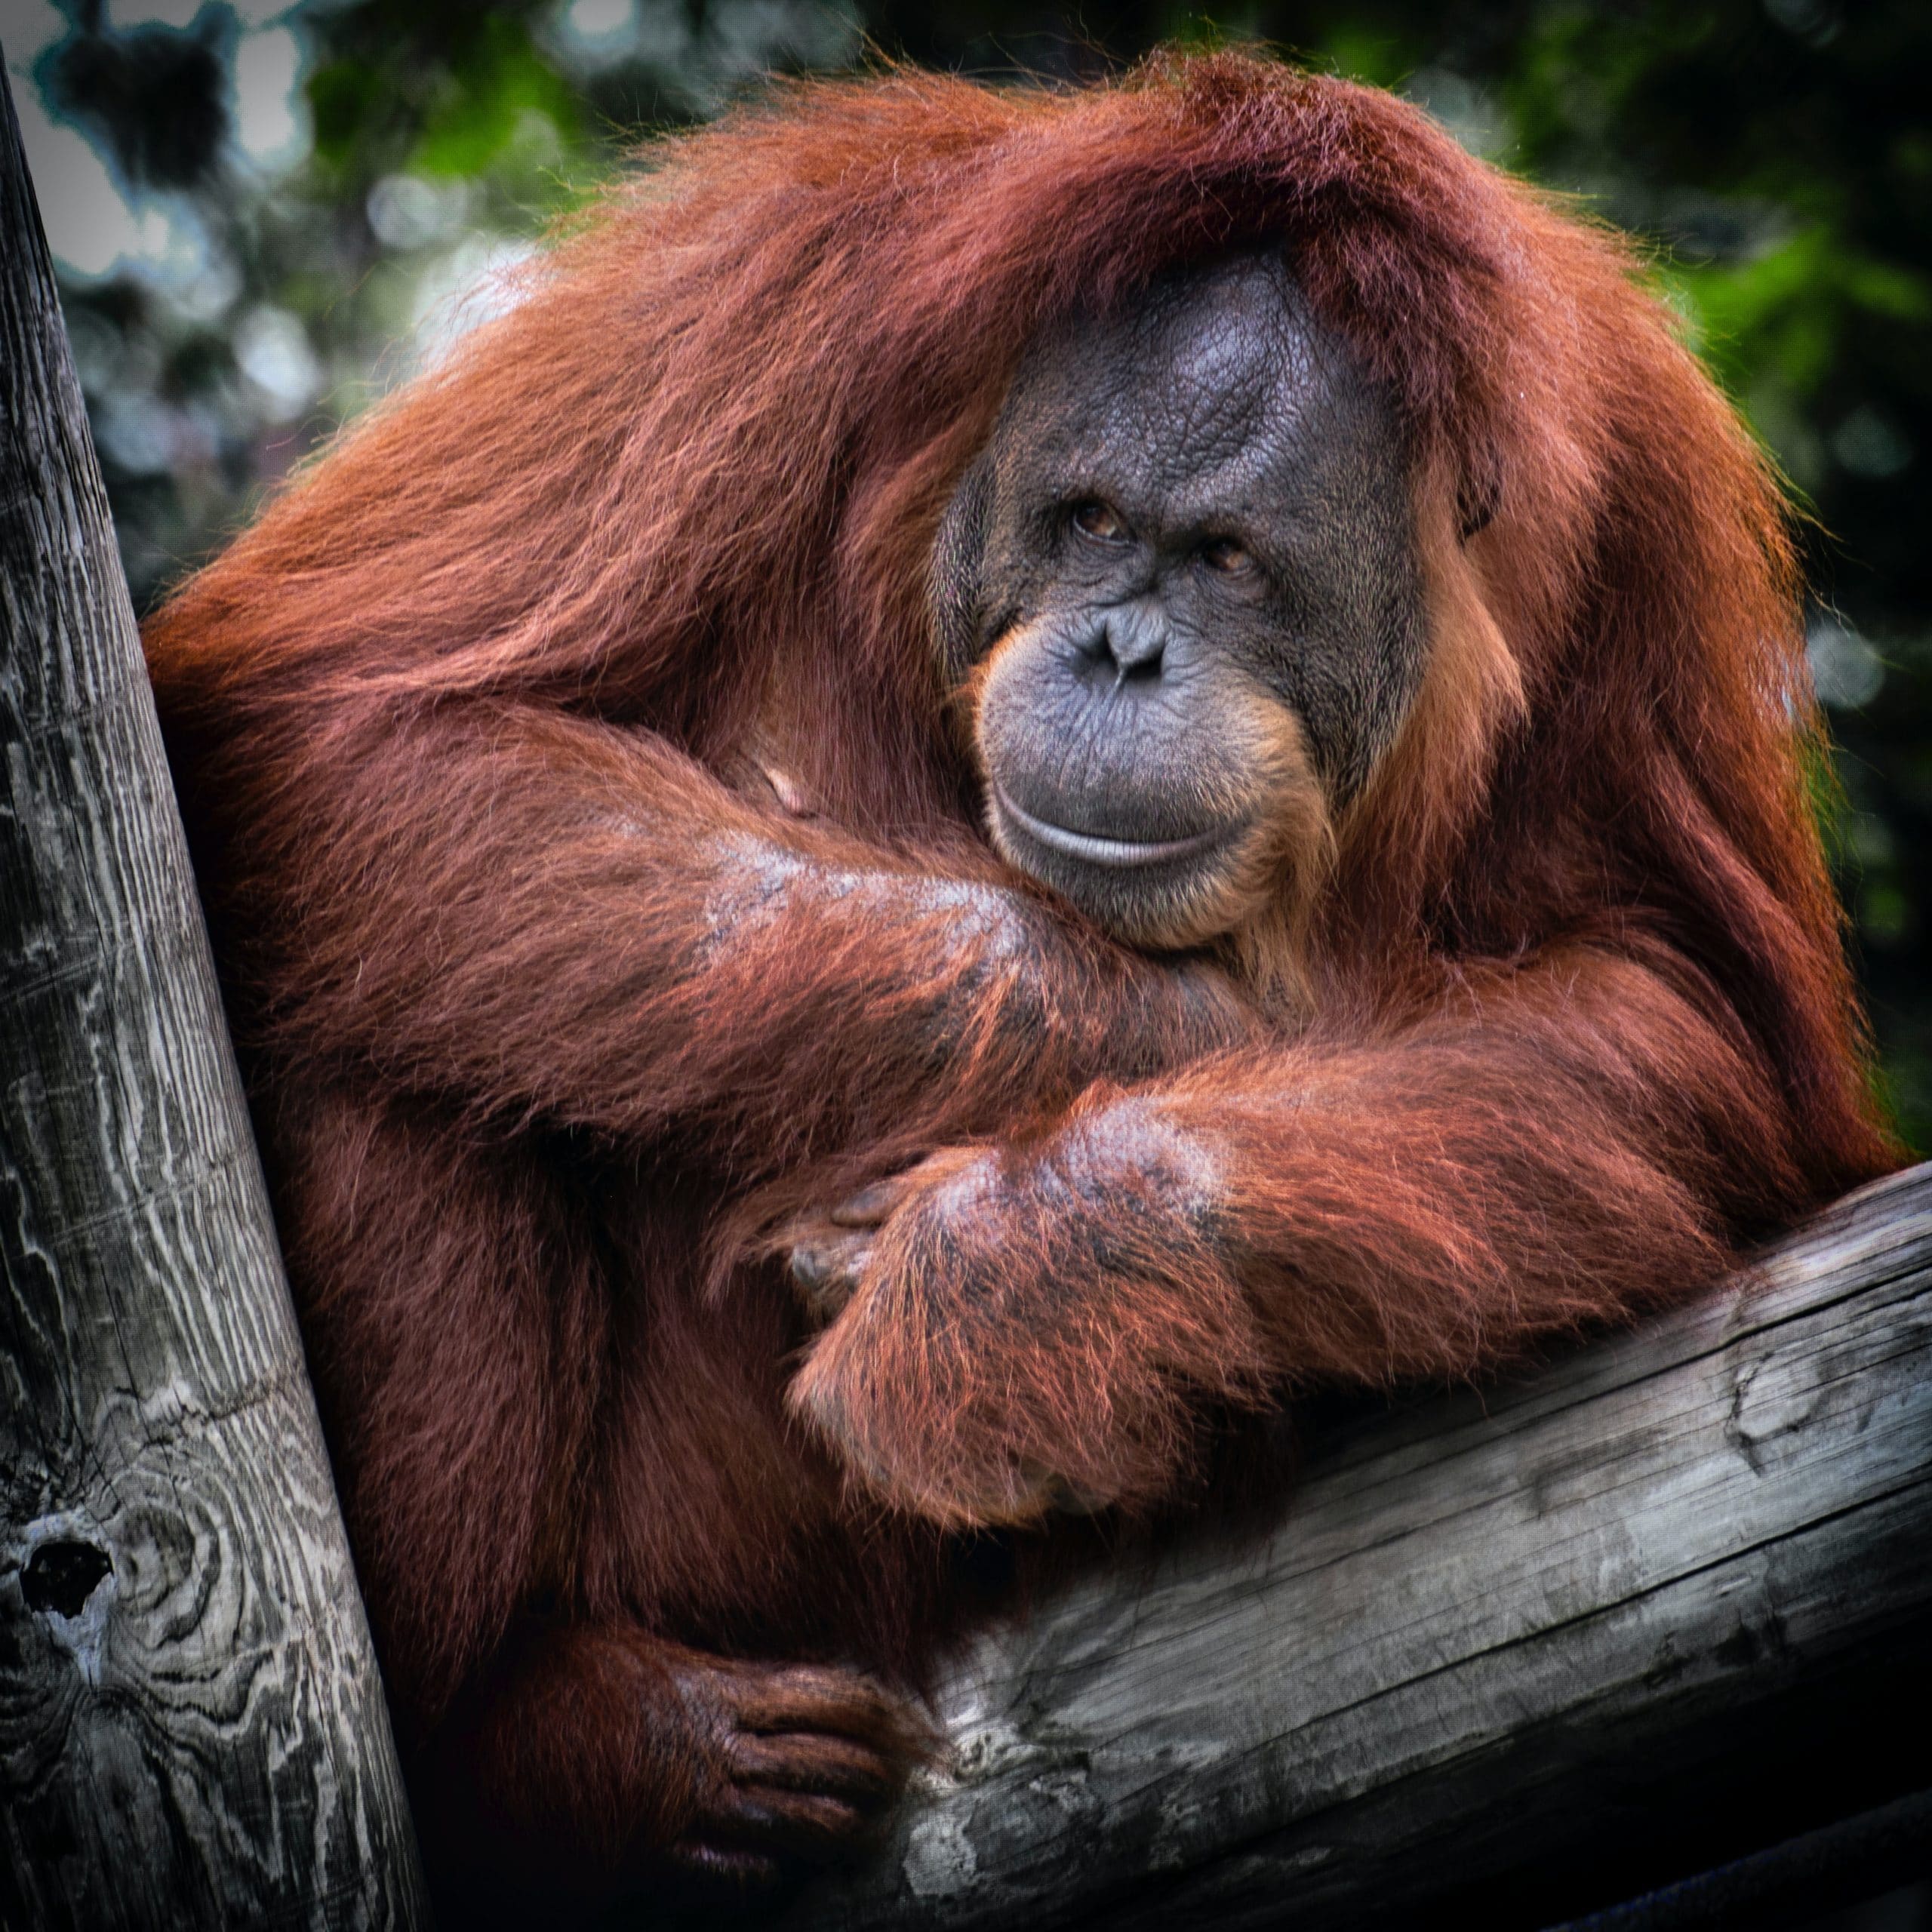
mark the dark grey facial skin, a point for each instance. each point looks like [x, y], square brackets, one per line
[1189, 515]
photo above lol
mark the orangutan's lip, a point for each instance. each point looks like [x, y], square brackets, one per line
[1094, 850]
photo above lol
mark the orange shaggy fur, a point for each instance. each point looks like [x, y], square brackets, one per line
[551, 1016]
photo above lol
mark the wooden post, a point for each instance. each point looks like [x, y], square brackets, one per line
[1503, 1658]
[192, 1731]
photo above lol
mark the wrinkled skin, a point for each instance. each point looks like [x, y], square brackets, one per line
[1183, 577]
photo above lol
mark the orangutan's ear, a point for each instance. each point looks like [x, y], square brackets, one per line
[954, 586]
[1477, 495]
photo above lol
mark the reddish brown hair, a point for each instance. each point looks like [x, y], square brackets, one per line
[718, 433]
[446, 721]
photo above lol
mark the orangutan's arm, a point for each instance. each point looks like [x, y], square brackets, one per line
[1584, 1139]
[550, 918]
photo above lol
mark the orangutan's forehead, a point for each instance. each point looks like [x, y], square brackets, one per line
[1236, 341]
[1221, 369]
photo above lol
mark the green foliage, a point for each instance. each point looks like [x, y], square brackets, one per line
[1783, 312]
[1358, 55]
[498, 104]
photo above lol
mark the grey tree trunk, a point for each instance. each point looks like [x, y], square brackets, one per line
[193, 1730]
[1504, 1657]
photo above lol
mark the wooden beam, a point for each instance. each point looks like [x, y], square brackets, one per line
[1524, 1651]
[192, 1731]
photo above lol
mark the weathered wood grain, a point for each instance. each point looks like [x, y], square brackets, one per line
[1525, 1632]
[193, 1730]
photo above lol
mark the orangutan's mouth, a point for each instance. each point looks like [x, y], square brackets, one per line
[1093, 848]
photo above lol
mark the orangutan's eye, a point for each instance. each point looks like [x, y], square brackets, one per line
[1224, 554]
[1096, 520]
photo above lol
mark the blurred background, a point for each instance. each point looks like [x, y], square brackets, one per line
[263, 215]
